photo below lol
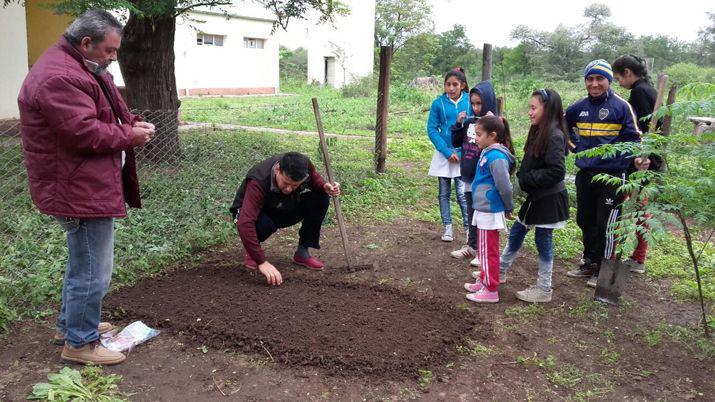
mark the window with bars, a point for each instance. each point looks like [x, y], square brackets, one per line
[203, 39]
[253, 43]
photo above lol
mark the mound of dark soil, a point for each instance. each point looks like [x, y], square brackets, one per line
[310, 320]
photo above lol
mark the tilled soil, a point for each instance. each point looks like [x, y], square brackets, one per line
[569, 349]
[345, 328]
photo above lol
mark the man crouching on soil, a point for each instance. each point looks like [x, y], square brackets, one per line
[272, 196]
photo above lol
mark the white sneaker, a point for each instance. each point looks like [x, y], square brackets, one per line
[448, 234]
[475, 262]
[463, 252]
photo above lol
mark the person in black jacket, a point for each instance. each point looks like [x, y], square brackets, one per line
[484, 101]
[541, 176]
[631, 73]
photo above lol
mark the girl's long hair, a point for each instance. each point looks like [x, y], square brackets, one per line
[500, 126]
[634, 63]
[458, 73]
[553, 117]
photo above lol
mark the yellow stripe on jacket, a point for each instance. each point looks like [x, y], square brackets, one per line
[598, 129]
[600, 126]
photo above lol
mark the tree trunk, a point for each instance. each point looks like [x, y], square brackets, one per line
[383, 100]
[487, 62]
[146, 59]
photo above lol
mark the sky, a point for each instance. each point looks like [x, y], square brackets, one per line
[494, 20]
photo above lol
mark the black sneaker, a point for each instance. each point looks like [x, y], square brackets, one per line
[585, 270]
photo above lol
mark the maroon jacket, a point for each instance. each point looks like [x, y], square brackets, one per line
[73, 141]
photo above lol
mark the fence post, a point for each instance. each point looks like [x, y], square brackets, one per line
[500, 106]
[667, 120]
[383, 97]
[487, 62]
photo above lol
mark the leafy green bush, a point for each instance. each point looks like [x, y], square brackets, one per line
[688, 73]
[363, 87]
[410, 95]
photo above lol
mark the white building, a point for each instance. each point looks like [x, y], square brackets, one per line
[218, 54]
[13, 68]
[340, 52]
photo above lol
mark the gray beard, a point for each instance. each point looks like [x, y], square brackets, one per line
[95, 68]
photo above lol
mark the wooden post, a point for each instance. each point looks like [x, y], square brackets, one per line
[487, 62]
[383, 98]
[649, 64]
[667, 120]
[662, 80]
[500, 106]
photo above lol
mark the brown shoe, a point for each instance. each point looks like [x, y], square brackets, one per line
[93, 353]
[103, 327]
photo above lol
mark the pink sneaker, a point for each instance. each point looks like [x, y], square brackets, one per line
[473, 287]
[310, 262]
[248, 261]
[483, 296]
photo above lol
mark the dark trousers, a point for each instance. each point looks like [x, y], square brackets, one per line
[472, 235]
[598, 207]
[311, 210]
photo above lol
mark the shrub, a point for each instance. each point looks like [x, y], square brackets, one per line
[688, 73]
[360, 88]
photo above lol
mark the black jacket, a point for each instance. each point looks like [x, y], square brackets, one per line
[544, 175]
[642, 99]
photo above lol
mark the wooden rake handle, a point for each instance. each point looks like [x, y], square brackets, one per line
[331, 178]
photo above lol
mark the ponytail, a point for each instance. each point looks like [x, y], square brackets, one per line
[634, 63]
[500, 126]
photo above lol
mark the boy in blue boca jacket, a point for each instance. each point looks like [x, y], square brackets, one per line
[483, 101]
[602, 117]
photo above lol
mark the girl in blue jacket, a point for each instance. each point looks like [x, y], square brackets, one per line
[445, 160]
[492, 192]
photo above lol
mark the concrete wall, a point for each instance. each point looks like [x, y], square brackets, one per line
[349, 41]
[230, 69]
[13, 67]
[44, 28]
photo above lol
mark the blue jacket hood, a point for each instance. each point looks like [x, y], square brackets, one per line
[485, 89]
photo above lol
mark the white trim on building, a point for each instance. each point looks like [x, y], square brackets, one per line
[13, 46]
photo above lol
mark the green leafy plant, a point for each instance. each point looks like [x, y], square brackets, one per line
[425, 377]
[72, 385]
[684, 191]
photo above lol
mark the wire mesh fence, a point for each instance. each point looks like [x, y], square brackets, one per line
[164, 152]
[168, 153]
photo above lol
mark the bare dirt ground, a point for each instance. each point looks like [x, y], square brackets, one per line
[401, 330]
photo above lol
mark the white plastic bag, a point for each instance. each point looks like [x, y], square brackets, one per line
[132, 335]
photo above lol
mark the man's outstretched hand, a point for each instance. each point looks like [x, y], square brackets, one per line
[273, 276]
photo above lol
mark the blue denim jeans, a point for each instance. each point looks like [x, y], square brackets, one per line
[90, 243]
[445, 210]
[544, 244]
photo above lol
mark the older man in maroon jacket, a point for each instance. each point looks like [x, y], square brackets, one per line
[77, 137]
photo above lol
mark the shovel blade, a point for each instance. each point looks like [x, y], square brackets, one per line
[612, 278]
